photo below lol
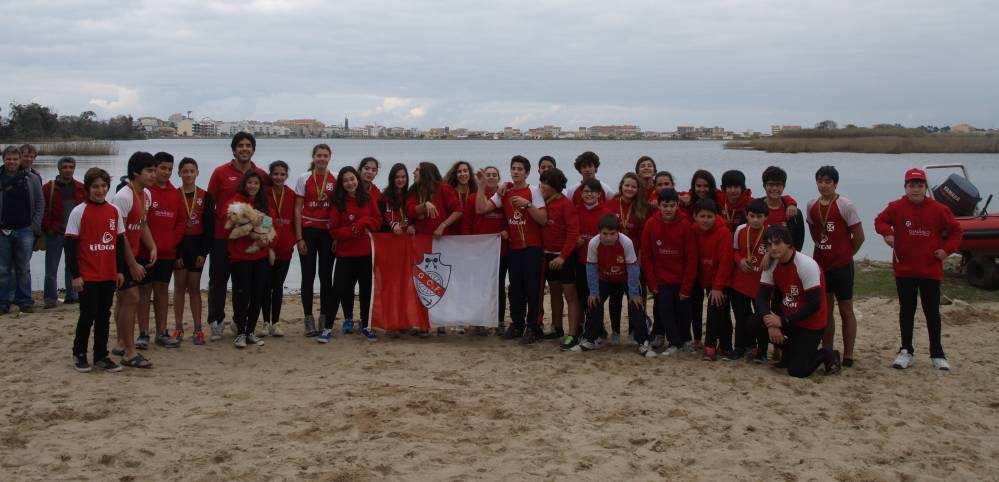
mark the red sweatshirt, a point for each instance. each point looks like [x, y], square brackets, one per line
[52, 218]
[734, 213]
[446, 202]
[466, 203]
[748, 244]
[167, 220]
[561, 233]
[919, 230]
[492, 222]
[237, 247]
[283, 207]
[670, 255]
[222, 186]
[715, 249]
[630, 226]
[588, 219]
[350, 227]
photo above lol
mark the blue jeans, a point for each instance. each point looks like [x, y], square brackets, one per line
[54, 247]
[15, 268]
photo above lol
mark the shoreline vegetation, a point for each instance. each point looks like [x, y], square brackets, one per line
[93, 147]
[886, 140]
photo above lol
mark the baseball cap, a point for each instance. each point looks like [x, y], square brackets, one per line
[915, 174]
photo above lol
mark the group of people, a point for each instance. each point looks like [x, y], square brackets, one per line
[725, 270]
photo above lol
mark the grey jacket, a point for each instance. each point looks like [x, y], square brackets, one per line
[35, 198]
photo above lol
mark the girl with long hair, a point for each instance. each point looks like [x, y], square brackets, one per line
[249, 270]
[392, 204]
[632, 210]
[432, 205]
[490, 223]
[368, 170]
[645, 168]
[313, 191]
[460, 177]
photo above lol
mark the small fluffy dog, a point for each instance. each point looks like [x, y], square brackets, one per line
[243, 220]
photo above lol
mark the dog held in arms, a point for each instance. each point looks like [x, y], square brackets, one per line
[243, 220]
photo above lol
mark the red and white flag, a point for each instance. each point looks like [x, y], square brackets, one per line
[421, 281]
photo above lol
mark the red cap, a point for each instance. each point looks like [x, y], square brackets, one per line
[915, 174]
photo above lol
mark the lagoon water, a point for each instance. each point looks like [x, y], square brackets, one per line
[869, 180]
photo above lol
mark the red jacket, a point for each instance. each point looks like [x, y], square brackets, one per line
[630, 226]
[919, 230]
[222, 186]
[467, 204]
[670, 254]
[714, 247]
[748, 244]
[588, 219]
[52, 218]
[734, 213]
[561, 233]
[237, 247]
[492, 222]
[283, 221]
[167, 219]
[350, 227]
[445, 200]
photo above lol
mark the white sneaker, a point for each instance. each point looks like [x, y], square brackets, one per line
[615, 339]
[941, 364]
[216, 328]
[240, 341]
[254, 339]
[688, 347]
[671, 351]
[275, 330]
[903, 360]
[263, 330]
[576, 348]
[645, 350]
[588, 345]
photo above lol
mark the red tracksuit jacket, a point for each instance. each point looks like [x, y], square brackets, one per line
[562, 231]
[714, 247]
[350, 227]
[167, 220]
[919, 230]
[670, 253]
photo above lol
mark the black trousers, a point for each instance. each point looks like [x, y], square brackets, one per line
[218, 279]
[249, 288]
[525, 286]
[672, 315]
[271, 304]
[318, 244]
[801, 349]
[352, 271]
[503, 267]
[719, 332]
[697, 311]
[640, 324]
[744, 311]
[95, 311]
[929, 296]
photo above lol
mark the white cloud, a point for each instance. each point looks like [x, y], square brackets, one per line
[124, 97]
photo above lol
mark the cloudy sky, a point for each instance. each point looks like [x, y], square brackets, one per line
[739, 64]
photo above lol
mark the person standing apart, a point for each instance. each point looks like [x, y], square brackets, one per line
[313, 191]
[922, 233]
[61, 195]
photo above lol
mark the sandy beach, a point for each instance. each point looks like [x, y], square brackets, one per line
[468, 407]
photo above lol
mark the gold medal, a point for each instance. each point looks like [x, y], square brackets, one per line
[190, 208]
[824, 216]
[320, 188]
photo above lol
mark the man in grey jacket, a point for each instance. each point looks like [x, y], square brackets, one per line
[21, 209]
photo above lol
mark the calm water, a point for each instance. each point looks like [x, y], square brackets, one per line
[870, 180]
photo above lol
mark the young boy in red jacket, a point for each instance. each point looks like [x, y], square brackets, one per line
[714, 274]
[589, 212]
[748, 257]
[669, 264]
[922, 233]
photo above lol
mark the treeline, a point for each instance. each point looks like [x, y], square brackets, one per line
[873, 145]
[35, 122]
[854, 131]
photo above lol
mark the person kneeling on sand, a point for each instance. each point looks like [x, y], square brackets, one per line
[798, 324]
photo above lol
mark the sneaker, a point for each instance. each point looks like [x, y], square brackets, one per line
[254, 339]
[645, 349]
[554, 335]
[597, 344]
[568, 343]
[615, 339]
[760, 358]
[142, 341]
[80, 364]
[199, 337]
[310, 326]
[239, 341]
[734, 355]
[833, 363]
[941, 364]
[658, 341]
[348, 327]
[27, 309]
[274, 329]
[903, 360]
[107, 365]
[164, 340]
[216, 328]
[530, 336]
[710, 354]
[368, 334]
[670, 351]
[263, 330]
[513, 332]
[49, 305]
[688, 347]
[177, 335]
[500, 330]
[575, 348]
[847, 362]
[325, 336]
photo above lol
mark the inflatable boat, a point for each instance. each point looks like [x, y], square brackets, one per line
[980, 244]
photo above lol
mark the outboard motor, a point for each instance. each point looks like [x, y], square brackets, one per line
[958, 194]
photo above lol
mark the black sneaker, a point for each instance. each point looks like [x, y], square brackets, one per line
[554, 335]
[500, 330]
[107, 365]
[513, 332]
[27, 309]
[530, 336]
[80, 364]
[833, 363]
[142, 341]
[164, 340]
[734, 355]
[847, 362]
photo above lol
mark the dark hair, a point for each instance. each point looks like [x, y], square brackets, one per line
[609, 221]
[259, 202]
[758, 206]
[27, 148]
[65, 160]
[733, 178]
[554, 178]
[277, 164]
[393, 199]
[185, 161]
[778, 232]
[667, 174]
[705, 205]
[642, 159]
[340, 193]
[593, 184]
[368, 160]
[640, 207]
[240, 136]
[316, 148]
[11, 150]
[522, 160]
[452, 176]
[139, 161]
[707, 176]
[427, 185]
[827, 171]
[588, 157]
[669, 194]
[93, 174]
[547, 158]
[774, 174]
[161, 157]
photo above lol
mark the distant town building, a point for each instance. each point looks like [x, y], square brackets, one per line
[303, 127]
[963, 128]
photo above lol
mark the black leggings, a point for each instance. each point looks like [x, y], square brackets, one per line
[696, 311]
[271, 305]
[637, 320]
[526, 278]
[673, 315]
[719, 332]
[95, 311]
[929, 296]
[504, 265]
[802, 352]
[749, 328]
[318, 242]
[351, 271]
[218, 279]
[249, 288]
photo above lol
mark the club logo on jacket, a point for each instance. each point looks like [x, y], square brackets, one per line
[830, 226]
[790, 299]
[107, 237]
[431, 279]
